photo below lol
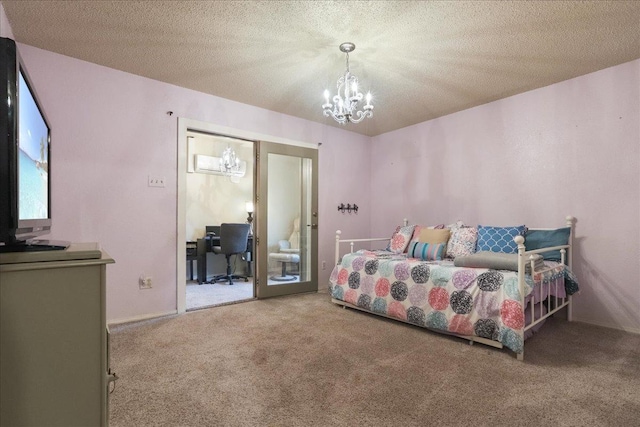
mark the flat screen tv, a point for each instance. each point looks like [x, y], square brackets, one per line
[25, 159]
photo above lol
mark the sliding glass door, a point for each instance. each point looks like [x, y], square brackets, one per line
[287, 220]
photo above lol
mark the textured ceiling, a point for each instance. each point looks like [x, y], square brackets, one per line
[420, 59]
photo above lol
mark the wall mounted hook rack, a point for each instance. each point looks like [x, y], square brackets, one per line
[348, 207]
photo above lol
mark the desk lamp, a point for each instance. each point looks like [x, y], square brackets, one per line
[249, 206]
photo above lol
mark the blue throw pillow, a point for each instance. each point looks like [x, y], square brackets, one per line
[427, 251]
[538, 239]
[499, 239]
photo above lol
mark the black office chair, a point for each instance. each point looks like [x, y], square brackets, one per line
[233, 241]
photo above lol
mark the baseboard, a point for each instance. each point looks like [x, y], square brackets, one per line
[616, 327]
[141, 317]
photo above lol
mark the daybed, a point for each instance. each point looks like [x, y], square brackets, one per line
[496, 287]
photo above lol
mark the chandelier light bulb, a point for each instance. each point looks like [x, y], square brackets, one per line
[345, 107]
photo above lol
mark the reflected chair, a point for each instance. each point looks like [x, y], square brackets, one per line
[233, 241]
[289, 253]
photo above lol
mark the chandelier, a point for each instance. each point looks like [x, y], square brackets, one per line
[229, 162]
[345, 104]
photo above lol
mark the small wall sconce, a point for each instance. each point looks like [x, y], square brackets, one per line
[349, 208]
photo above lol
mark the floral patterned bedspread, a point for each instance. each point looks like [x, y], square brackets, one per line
[438, 295]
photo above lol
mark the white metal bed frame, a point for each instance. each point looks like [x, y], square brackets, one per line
[524, 256]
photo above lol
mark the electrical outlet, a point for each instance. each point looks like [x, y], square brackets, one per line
[156, 181]
[145, 282]
[324, 265]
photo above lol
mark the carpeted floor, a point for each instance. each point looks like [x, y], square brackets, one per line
[303, 361]
[208, 294]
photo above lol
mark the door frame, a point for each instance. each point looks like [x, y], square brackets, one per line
[308, 222]
[185, 125]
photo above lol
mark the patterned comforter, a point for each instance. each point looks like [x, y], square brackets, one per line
[438, 295]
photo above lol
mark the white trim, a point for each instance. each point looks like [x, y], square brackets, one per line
[181, 232]
[141, 317]
[185, 125]
[603, 325]
[242, 134]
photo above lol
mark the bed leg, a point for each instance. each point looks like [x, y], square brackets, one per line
[470, 342]
[520, 356]
[570, 310]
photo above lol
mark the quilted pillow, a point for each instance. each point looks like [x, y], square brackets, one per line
[538, 239]
[400, 239]
[499, 239]
[427, 251]
[431, 235]
[462, 241]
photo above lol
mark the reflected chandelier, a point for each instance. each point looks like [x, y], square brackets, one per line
[229, 162]
[345, 104]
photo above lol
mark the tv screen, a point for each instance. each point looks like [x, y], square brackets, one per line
[33, 157]
[25, 159]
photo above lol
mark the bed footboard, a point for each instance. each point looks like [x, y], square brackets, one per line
[554, 303]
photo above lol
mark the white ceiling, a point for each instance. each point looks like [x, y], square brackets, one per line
[420, 59]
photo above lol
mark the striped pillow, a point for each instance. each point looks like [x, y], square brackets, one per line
[427, 251]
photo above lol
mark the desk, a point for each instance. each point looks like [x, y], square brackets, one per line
[192, 255]
[205, 245]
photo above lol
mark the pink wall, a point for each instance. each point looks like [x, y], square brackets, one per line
[111, 130]
[5, 27]
[570, 148]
